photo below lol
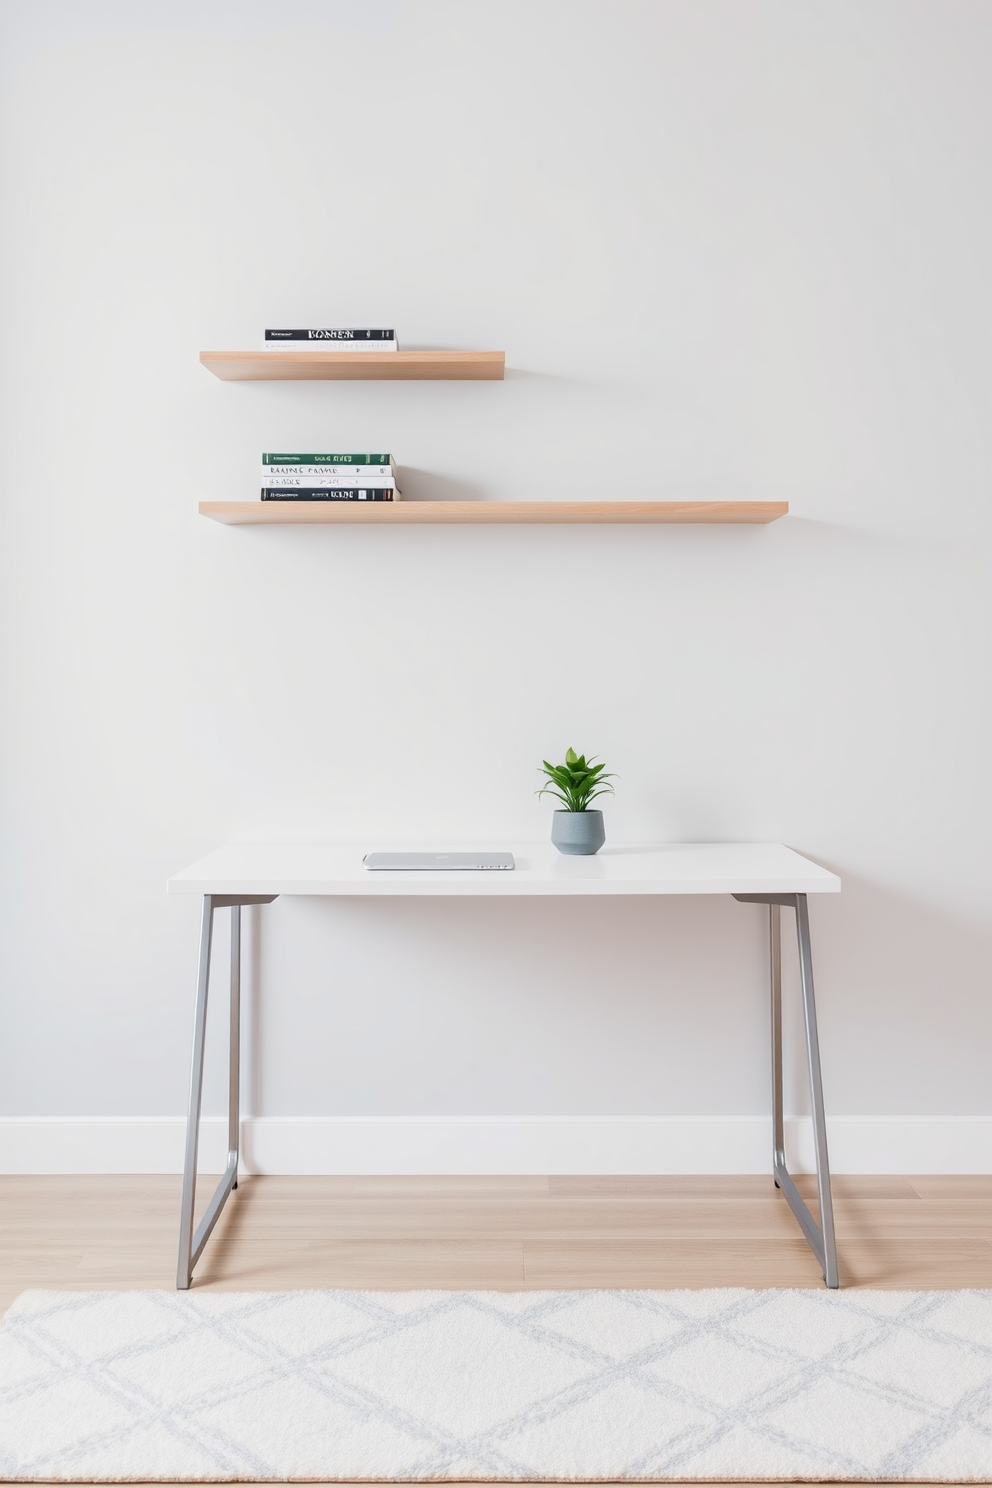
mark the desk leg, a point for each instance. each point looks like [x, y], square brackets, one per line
[190, 1244]
[820, 1238]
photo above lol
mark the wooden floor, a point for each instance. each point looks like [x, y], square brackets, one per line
[504, 1233]
[114, 1233]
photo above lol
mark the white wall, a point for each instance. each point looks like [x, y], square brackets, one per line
[749, 239]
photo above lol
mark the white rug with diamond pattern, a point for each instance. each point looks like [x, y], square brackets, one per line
[411, 1386]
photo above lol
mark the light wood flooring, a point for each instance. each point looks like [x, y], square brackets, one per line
[114, 1233]
[505, 1233]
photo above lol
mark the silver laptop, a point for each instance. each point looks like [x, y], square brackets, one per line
[444, 860]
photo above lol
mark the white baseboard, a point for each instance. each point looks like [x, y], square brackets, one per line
[499, 1144]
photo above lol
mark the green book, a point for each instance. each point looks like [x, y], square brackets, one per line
[327, 459]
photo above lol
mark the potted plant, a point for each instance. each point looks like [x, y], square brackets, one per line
[576, 784]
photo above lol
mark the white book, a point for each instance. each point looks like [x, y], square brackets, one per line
[319, 343]
[349, 475]
[374, 483]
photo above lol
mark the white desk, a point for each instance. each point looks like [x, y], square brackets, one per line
[754, 873]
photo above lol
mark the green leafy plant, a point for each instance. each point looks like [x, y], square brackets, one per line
[577, 782]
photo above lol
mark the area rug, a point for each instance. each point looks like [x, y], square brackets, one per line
[432, 1386]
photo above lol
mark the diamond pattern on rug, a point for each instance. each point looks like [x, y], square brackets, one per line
[414, 1386]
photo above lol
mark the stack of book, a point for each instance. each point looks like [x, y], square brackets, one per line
[331, 340]
[329, 478]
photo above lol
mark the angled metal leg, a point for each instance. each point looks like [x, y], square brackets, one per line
[828, 1258]
[190, 1244]
[185, 1273]
[820, 1238]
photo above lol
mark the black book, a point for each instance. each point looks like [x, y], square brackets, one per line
[330, 335]
[325, 493]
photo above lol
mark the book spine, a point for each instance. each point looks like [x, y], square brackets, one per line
[327, 460]
[316, 475]
[329, 483]
[362, 337]
[327, 493]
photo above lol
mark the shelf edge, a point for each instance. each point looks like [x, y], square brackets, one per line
[355, 366]
[492, 513]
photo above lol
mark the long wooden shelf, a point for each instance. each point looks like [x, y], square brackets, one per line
[393, 513]
[354, 366]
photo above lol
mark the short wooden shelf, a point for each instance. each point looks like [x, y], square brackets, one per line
[355, 366]
[400, 513]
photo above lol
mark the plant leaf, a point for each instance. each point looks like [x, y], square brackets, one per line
[576, 783]
[547, 791]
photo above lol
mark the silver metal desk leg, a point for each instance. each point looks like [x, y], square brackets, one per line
[775, 965]
[820, 1238]
[828, 1259]
[234, 1054]
[190, 1244]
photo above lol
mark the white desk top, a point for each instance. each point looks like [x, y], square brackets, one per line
[675, 868]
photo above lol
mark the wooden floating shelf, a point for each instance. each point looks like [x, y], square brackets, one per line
[355, 366]
[400, 513]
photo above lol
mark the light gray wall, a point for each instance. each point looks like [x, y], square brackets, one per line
[748, 240]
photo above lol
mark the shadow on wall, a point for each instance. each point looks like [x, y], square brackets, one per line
[619, 1006]
[541, 1007]
[902, 994]
[427, 485]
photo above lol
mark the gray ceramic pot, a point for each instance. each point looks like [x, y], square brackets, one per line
[578, 832]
